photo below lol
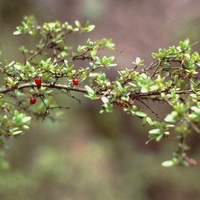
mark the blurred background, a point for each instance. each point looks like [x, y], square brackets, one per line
[85, 155]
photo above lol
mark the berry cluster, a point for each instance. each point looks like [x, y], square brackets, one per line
[38, 82]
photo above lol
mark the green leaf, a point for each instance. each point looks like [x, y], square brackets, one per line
[89, 89]
[104, 99]
[119, 86]
[81, 49]
[26, 119]
[140, 114]
[155, 131]
[89, 28]
[149, 120]
[159, 137]
[138, 62]
[16, 132]
[168, 163]
[78, 24]
[18, 32]
[91, 92]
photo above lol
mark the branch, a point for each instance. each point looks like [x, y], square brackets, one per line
[134, 94]
[48, 85]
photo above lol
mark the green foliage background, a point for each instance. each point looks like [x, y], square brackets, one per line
[92, 156]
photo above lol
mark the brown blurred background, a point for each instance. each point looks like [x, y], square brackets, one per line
[85, 155]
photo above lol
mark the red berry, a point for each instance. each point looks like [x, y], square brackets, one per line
[38, 81]
[121, 103]
[75, 81]
[32, 100]
[131, 103]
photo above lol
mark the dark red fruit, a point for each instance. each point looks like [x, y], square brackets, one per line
[131, 103]
[38, 81]
[32, 100]
[75, 81]
[121, 103]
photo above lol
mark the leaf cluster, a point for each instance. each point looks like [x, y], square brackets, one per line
[172, 78]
